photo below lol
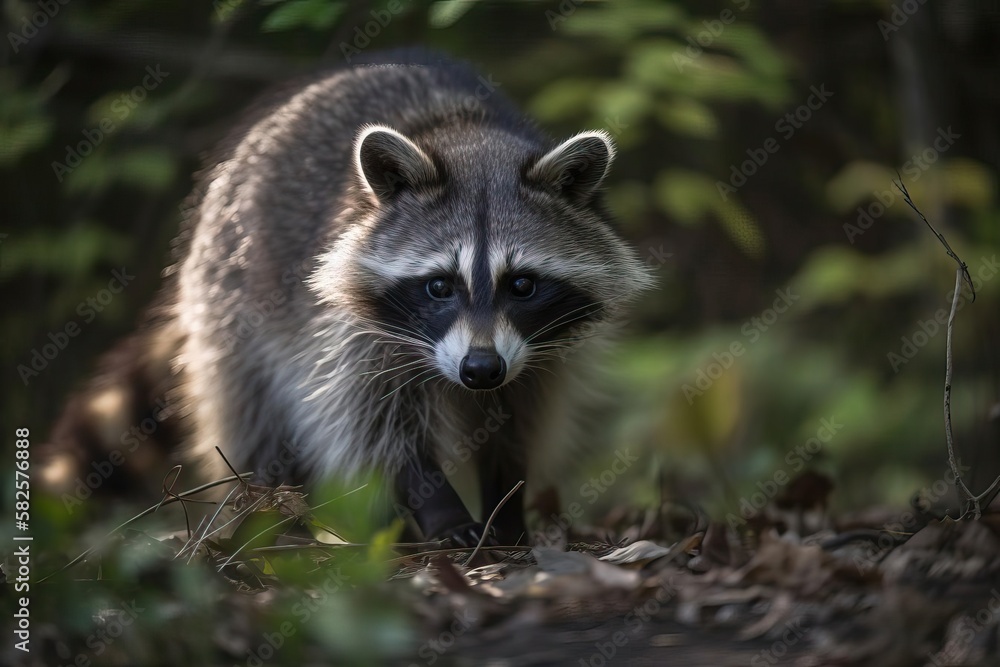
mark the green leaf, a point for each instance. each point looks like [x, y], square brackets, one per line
[687, 196]
[568, 98]
[621, 102]
[146, 168]
[446, 13]
[226, 9]
[17, 138]
[969, 182]
[618, 22]
[72, 252]
[688, 117]
[315, 14]
[629, 199]
[118, 109]
[150, 168]
[741, 226]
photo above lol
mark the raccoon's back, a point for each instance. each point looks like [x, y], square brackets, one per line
[257, 341]
[275, 195]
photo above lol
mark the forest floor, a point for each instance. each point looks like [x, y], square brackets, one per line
[788, 585]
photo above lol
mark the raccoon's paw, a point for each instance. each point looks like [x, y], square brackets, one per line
[468, 535]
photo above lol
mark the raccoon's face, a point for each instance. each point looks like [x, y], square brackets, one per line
[484, 327]
[484, 259]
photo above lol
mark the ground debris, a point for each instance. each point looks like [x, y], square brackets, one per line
[865, 590]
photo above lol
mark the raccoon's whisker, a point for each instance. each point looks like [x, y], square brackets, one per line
[537, 367]
[396, 336]
[401, 308]
[394, 330]
[561, 343]
[414, 371]
[563, 323]
[404, 372]
[429, 370]
[380, 358]
[389, 341]
[436, 375]
[375, 374]
[392, 337]
[416, 337]
[380, 361]
[560, 320]
[398, 339]
[549, 354]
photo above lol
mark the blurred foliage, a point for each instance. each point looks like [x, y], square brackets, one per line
[95, 178]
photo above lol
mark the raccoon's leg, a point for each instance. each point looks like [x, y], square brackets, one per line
[500, 469]
[437, 509]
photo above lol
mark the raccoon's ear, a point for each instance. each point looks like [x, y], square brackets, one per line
[575, 168]
[386, 161]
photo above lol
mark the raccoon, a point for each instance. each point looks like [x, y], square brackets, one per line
[384, 261]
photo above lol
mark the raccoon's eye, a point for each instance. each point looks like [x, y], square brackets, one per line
[440, 288]
[522, 287]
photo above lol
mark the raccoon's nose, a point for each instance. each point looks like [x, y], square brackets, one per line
[482, 369]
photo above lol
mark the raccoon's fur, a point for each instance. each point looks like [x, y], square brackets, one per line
[387, 260]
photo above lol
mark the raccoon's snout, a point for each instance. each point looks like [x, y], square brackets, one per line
[482, 369]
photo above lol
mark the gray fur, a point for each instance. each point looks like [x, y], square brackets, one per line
[297, 220]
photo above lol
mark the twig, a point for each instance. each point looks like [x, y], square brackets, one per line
[962, 266]
[973, 503]
[948, 368]
[252, 538]
[489, 522]
[289, 518]
[177, 498]
[168, 492]
[207, 526]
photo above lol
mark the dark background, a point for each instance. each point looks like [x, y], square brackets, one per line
[685, 116]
